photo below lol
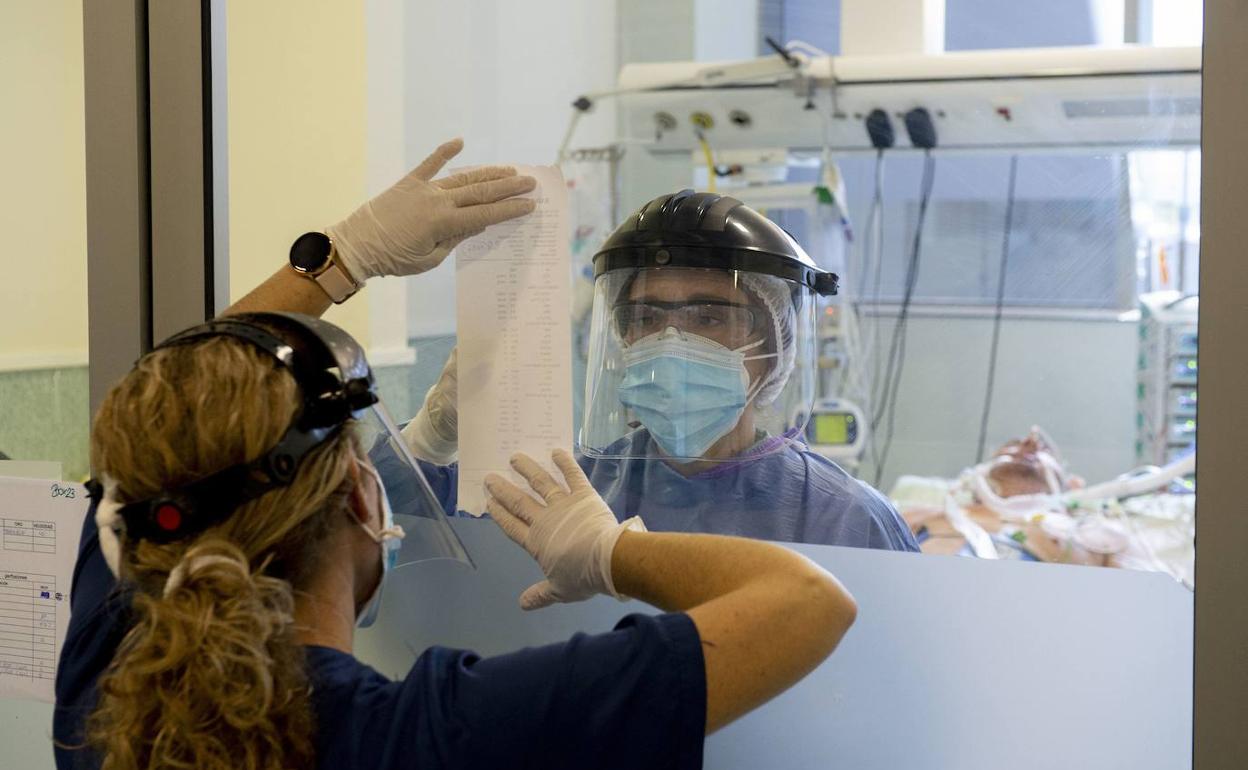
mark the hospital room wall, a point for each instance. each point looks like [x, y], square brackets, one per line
[43, 318]
[512, 113]
[297, 132]
[1074, 377]
[503, 76]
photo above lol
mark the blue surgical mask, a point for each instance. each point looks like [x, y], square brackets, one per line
[389, 537]
[688, 391]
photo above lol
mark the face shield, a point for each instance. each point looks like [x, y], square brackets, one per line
[697, 364]
[338, 393]
[428, 534]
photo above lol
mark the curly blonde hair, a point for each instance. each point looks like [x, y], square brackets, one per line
[210, 674]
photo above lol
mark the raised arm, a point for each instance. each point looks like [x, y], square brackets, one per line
[407, 229]
[283, 292]
[766, 616]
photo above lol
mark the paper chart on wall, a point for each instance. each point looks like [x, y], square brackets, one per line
[40, 525]
[513, 298]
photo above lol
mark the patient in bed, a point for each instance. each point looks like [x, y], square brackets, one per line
[1015, 506]
[1009, 507]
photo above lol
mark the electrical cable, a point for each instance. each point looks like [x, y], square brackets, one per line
[880, 131]
[997, 313]
[908, 280]
[873, 252]
[897, 347]
[921, 131]
[782, 52]
[802, 46]
[710, 160]
[877, 242]
[869, 230]
[562, 154]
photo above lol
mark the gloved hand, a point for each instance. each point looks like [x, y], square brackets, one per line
[572, 535]
[433, 434]
[411, 227]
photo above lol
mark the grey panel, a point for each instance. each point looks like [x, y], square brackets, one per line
[953, 663]
[114, 61]
[220, 159]
[1221, 612]
[176, 74]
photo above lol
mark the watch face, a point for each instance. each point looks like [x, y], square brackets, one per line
[309, 252]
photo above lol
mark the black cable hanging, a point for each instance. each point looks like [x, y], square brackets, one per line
[877, 245]
[1000, 306]
[877, 349]
[897, 347]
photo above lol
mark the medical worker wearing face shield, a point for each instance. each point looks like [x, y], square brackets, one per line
[701, 376]
[242, 526]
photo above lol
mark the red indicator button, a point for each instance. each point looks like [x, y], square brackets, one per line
[168, 517]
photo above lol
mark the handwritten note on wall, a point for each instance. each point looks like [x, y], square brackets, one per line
[515, 340]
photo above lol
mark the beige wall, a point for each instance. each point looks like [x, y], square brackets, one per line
[43, 314]
[297, 144]
[297, 132]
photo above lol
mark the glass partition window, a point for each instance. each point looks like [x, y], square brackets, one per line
[1014, 340]
[1010, 359]
[1008, 372]
[1046, 345]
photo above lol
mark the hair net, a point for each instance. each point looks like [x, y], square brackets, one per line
[774, 295]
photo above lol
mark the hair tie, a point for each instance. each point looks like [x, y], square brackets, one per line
[187, 568]
[109, 523]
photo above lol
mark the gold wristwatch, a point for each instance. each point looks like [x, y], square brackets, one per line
[314, 256]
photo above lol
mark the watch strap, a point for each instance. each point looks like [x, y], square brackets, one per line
[335, 281]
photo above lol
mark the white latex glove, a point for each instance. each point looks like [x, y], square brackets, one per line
[572, 535]
[411, 227]
[433, 434]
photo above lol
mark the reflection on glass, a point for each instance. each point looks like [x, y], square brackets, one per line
[1022, 286]
[1053, 289]
[1033, 269]
[1044, 288]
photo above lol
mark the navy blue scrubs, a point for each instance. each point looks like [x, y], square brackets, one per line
[631, 698]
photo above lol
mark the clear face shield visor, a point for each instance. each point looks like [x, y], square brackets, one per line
[697, 364]
[428, 532]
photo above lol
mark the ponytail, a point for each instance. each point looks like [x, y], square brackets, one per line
[210, 675]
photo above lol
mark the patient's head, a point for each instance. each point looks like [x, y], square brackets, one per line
[1029, 465]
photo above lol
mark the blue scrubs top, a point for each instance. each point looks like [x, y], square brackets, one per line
[633, 697]
[779, 490]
